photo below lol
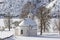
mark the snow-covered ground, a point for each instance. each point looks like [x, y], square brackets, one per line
[5, 34]
[34, 38]
[45, 36]
[15, 9]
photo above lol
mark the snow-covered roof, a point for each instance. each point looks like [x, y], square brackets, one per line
[28, 22]
[51, 4]
[16, 19]
[30, 14]
[55, 11]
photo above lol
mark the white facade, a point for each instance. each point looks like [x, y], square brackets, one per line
[27, 28]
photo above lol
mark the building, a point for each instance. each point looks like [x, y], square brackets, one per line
[27, 27]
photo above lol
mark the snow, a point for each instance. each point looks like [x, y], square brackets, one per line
[5, 34]
[17, 5]
[51, 4]
[16, 19]
[34, 38]
[56, 9]
[27, 22]
[1, 0]
[1, 22]
[31, 38]
[12, 6]
[45, 36]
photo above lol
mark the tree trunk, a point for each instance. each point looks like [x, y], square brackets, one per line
[41, 28]
[9, 24]
[41, 24]
[44, 27]
[9, 21]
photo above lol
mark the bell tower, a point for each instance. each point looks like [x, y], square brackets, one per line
[30, 15]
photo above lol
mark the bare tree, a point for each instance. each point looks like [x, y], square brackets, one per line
[57, 24]
[7, 20]
[26, 9]
[42, 14]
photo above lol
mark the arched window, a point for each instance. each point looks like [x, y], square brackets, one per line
[21, 31]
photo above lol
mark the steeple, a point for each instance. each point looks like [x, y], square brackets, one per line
[30, 15]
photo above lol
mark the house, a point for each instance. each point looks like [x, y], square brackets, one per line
[27, 27]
